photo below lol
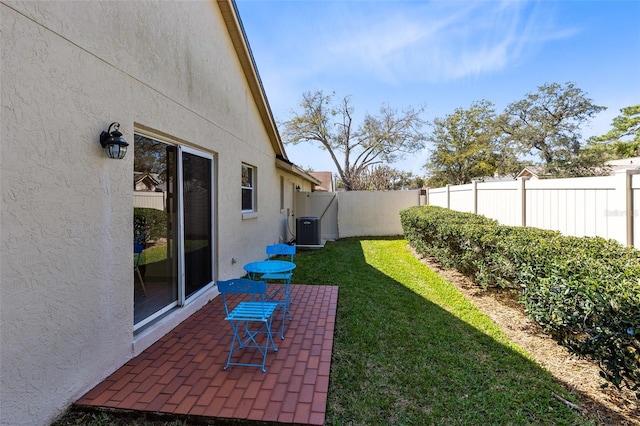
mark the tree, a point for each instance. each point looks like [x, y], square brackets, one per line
[376, 178]
[623, 140]
[150, 157]
[464, 146]
[384, 178]
[547, 123]
[384, 138]
[407, 180]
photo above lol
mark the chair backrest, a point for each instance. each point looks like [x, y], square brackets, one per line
[258, 289]
[281, 250]
[137, 251]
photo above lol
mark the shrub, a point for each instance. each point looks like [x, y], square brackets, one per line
[149, 224]
[584, 291]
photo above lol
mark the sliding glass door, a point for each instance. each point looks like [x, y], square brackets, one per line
[173, 225]
[197, 223]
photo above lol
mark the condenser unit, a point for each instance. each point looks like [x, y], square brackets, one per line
[308, 231]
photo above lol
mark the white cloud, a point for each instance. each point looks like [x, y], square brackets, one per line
[410, 41]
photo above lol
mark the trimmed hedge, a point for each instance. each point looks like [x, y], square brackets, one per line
[149, 224]
[584, 291]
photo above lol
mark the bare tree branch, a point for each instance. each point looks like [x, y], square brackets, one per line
[384, 138]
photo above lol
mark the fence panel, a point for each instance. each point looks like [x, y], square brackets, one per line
[438, 197]
[357, 213]
[595, 206]
[373, 213]
[577, 206]
[500, 201]
[323, 205]
[152, 200]
[461, 198]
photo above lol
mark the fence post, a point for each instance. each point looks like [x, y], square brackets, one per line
[448, 196]
[625, 198]
[629, 204]
[522, 191]
[474, 189]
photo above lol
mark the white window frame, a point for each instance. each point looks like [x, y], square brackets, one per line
[252, 188]
[182, 298]
[281, 194]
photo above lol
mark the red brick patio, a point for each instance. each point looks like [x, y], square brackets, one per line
[183, 372]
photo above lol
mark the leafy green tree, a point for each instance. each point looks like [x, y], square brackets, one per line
[547, 123]
[463, 146]
[383, 138]
[623, 140]
[151, 157]
[509, 162]
[407, 180]
[586, 163]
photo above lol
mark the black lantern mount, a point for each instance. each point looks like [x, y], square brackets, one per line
[113, 143]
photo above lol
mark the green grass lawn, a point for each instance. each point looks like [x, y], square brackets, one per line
[410, 349]
[159, 253]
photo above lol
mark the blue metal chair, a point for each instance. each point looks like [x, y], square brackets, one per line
[137, 254]
[282, 251]
[249, 319]
[280, 293]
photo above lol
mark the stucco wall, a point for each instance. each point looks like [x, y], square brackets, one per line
[66, 284]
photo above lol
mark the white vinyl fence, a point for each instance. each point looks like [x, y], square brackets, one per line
[152, 200]
[605, 206]
[357, 213]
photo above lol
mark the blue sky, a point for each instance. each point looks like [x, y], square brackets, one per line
[442, 54]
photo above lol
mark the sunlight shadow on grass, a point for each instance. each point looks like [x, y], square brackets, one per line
[410, 349]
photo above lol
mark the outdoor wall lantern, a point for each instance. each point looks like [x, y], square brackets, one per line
[298, 188]
[113, 143]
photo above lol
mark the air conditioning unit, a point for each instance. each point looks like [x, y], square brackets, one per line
[308, 231]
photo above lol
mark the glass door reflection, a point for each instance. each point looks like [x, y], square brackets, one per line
[155, 207]
[196, 196]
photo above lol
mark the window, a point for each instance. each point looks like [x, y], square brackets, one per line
[281, 193]
[248, 188]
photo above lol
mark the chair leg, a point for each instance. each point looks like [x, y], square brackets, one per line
[287, 298]
[248, 340]
[144, 289]
[281, 293]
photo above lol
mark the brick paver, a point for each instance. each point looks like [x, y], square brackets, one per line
[183, 372]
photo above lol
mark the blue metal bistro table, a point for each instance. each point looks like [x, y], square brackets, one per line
[280, 270]
[257, 269]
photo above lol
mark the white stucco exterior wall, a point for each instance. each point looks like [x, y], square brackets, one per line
[68, 69]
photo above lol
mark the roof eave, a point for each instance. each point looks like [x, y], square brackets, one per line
[292, 168]
[238, 37]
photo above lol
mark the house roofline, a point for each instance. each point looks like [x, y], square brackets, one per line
[287, 165]
[232, 20]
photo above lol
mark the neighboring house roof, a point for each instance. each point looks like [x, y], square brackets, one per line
[623, 163]
[326, 181]
[537, 172]
[533, 172]
[145, 181]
